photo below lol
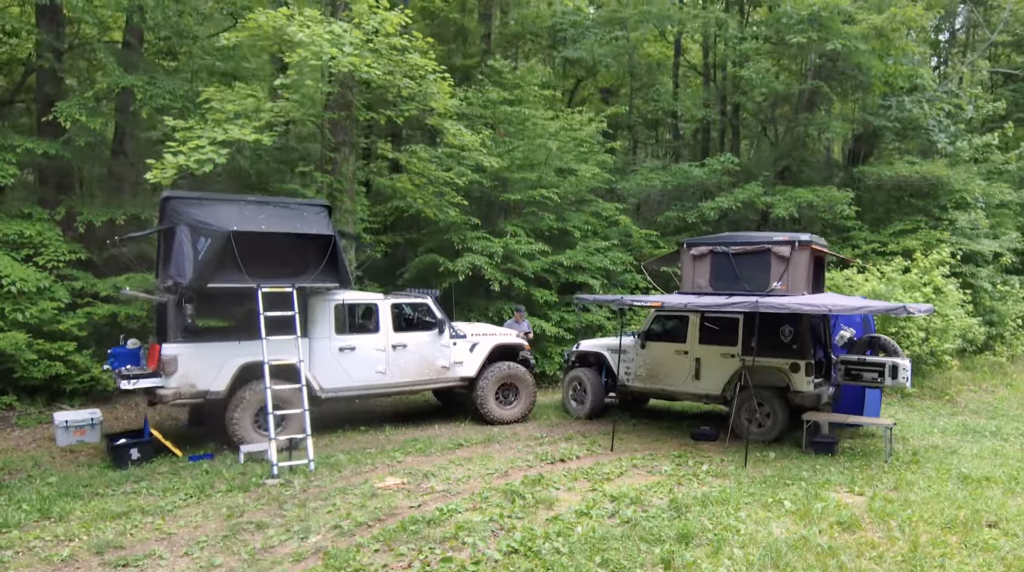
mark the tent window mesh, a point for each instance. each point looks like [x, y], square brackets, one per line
[741, 272]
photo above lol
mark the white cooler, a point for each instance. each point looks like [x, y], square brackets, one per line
[73, 427]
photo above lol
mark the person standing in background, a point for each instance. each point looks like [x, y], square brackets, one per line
[519, 323]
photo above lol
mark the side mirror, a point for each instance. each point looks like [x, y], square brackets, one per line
[442, 326]
[642, 336]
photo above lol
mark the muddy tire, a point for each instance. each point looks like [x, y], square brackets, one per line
[628, 402]
[504, 393]
[583, 393]
[246, 417]
[886, 346]
[451, 397]
[774, 415]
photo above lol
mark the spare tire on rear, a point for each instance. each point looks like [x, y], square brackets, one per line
[883, 345]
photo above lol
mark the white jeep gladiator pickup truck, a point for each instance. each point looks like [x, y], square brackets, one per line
[355, 345]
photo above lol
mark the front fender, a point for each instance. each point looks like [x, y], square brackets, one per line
[599, 359]
[474, 362]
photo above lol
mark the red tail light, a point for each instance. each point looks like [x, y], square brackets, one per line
[153, 357]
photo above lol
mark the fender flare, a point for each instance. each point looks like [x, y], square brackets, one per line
[760, 376]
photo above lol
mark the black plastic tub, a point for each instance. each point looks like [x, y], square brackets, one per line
[135, 449]
[824, 444]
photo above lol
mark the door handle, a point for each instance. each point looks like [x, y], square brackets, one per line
[730, 356]
[696, 369]
[397, 345]
[682, 353]
[346, 348]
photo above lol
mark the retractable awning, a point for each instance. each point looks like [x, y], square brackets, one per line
[827, 303]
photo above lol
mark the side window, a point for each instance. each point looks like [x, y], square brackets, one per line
[412, 317]
[719, 331]
[356, 318]
[669, 329]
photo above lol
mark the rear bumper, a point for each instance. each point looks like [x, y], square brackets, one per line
[812, 399]
[137, 378]
[152, 385]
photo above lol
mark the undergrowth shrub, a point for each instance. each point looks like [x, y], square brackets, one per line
[934, 342]
[56, 320]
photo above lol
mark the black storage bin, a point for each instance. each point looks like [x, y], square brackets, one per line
[137, 449]
[825, 444]
[704, 433]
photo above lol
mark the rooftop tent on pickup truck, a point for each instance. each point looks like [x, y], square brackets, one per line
[213, 239]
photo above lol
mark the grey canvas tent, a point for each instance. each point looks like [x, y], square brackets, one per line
[825, 303]
[214, 240]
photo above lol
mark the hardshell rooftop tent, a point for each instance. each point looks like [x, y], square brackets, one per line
[212, 239]
[754, 262]
[774, 263]
[825, 303]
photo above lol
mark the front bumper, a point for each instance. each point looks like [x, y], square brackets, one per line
[526, 360]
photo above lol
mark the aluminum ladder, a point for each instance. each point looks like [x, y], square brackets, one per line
[307, 434]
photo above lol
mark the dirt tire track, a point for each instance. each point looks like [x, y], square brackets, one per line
[442, 499]
[175, 546]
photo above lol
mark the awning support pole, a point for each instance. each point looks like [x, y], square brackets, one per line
[745, 377]
[618, 371]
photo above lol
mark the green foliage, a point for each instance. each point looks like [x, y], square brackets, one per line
[45, 308]
[512, 151]
[933, 342]
[531, 220]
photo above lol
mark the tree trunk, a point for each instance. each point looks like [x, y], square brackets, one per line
[677, 57]
[723, 99]
[122, 172]
[343, 163]
[485, 18]
[705, 123]
[634, 144]
[735, 140]
[736, 143]
[55, 176]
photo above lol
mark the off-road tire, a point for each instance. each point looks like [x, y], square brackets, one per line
[583, 393]
[632, 402]
[775, 414]
[451, 397]
[504, 393]
[240, 417]
[886, 346]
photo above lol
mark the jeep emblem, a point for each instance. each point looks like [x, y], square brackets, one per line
[786, 333]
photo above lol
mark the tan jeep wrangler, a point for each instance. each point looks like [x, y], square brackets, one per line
[699, 357]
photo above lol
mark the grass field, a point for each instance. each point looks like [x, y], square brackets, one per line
[543, 495]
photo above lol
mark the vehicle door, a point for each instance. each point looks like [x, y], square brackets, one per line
[418, 349]
[358, 346]
[663, 353]
[716, 355]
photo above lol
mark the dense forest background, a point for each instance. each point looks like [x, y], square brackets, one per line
[514, 151]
